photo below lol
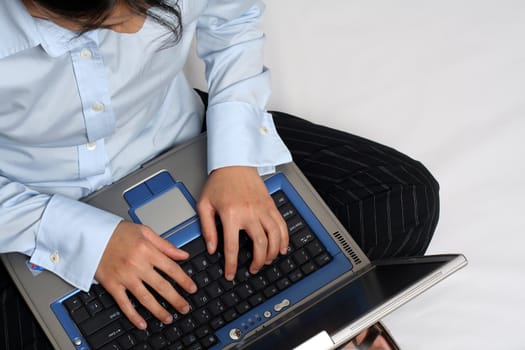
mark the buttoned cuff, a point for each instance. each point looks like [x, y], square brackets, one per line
[71, 239]
[241, 134]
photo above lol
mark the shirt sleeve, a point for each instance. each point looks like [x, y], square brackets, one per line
[62, 235]
[240, 132]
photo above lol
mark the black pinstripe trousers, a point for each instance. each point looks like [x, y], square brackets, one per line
[387, 201]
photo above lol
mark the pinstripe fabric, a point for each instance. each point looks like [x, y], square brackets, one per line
[387, 201]
[18, 329]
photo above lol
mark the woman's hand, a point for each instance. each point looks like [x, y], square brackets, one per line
[130, 260]
[239, 197]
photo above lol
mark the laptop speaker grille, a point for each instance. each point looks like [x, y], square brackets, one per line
[346, 247]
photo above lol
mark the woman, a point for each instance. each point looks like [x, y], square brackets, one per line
[92, 89]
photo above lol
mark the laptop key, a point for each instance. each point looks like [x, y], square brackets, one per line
[287, 211]
[101, 320]
[295, 275]
[203, 331]
[279, 198]
[270, 291]
[214, 290]
[158, 342]
[106, 335]
[176, 346]
[283, 283]
[217, 323]
[202, 316]
[72, 303]
[196, 346]
[142, 346]
[202, 279]
[258, 282]
[209, 340]
[94, 307]
[155, 326]
[230, 299]
[323, 259]
[295, 224]
[187, 325]
[301, 256]
[173, 332]
[127, 341]
[230, 315]
[256, 299]
[189, 339]
[273, 274]
[216, 307]
[112, 346]
[308, 268]
[302, 237]
[200, 262]
[80, 315]
[243, 307]
[200, 298]
[244, 291]
[86, 297]
[195, 247]
[287, 265]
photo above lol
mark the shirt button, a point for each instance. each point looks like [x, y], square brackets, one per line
[263, 130]
[85, 53]
[98, 106]
[55, 258]
[91, 146]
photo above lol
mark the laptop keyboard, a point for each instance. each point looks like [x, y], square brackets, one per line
[217, 301]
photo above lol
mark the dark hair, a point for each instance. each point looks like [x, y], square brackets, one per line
[90, 14]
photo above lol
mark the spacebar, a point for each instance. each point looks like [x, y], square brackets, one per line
[106, 334]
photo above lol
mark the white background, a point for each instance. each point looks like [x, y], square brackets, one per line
[444, 82]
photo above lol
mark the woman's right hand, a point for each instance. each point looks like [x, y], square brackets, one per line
[130, 261]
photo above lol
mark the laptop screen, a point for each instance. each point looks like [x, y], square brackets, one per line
[346, 306]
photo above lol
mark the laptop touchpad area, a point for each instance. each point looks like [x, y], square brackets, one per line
[161, 203]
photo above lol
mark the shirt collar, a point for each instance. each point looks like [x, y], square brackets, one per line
[56, 40]
[22, 31]
[17, 27]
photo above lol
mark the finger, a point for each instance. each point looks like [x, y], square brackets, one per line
[283, 232]
[146, 299]
[176, 273]
[231, 250]
[163, 245]
[208, 226]
[260, 247]
[122, 300]
[273, 234]
[166, 291]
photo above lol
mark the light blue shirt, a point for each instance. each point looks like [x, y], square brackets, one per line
[79, 112]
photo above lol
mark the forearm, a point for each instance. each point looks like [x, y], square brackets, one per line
[60, 234]
[240, 132]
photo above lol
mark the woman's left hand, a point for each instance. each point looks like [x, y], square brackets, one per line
[237, 194]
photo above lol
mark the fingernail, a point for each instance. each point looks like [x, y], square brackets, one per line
[168, 319]
[210, 247]
[229, 276]
[186, 309]
[193, 289]
[142, 325]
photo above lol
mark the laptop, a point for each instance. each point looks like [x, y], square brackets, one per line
[318, 296]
